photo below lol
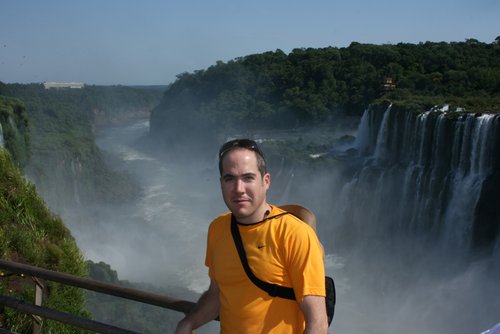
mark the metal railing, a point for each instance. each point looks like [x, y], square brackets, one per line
[85, 283]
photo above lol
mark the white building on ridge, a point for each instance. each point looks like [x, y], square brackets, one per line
[57, 85]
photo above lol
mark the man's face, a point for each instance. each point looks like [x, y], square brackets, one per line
[243, 187]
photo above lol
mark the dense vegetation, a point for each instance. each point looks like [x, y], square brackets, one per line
[14, 125]
[315, 86]
[112, 105]
[30, 233]
[65, 163]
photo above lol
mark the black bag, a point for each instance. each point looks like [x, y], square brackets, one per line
[275, 290]
[331, 298]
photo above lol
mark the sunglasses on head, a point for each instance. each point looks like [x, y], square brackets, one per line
[243, 143]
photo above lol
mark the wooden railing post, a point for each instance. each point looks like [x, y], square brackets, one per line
[37, 320]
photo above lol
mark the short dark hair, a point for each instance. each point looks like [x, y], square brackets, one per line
[248, 144]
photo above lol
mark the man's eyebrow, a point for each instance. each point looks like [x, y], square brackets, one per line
[226, 175]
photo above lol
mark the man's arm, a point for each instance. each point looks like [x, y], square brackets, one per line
[314, 309]
[206, 309]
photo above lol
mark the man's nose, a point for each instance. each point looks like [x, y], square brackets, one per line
[239, 186]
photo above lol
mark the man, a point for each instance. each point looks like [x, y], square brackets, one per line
[280, 249]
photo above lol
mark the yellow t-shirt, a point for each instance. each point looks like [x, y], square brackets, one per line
[282, 250]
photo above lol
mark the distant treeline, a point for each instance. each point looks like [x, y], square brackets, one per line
[313, 86]
[104, 105]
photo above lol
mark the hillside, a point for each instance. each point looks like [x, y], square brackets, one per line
[30, 233]
[320, 87]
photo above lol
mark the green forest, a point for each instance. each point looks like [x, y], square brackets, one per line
[312, 87]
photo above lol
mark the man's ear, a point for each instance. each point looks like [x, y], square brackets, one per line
[267, 180]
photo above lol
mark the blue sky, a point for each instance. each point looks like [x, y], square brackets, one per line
[149, 42]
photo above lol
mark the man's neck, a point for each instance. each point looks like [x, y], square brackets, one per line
[258, 216]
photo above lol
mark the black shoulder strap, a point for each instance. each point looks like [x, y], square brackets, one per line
[273, 290]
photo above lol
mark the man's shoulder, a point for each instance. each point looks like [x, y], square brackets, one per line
[288, 221]
[222, 219]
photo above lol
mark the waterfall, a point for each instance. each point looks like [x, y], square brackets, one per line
[415, 218]
[362, 142]
[382, 138]
[76, 169]
[423, 175]
[2, 141]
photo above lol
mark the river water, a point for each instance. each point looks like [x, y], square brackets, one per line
[161, 237]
